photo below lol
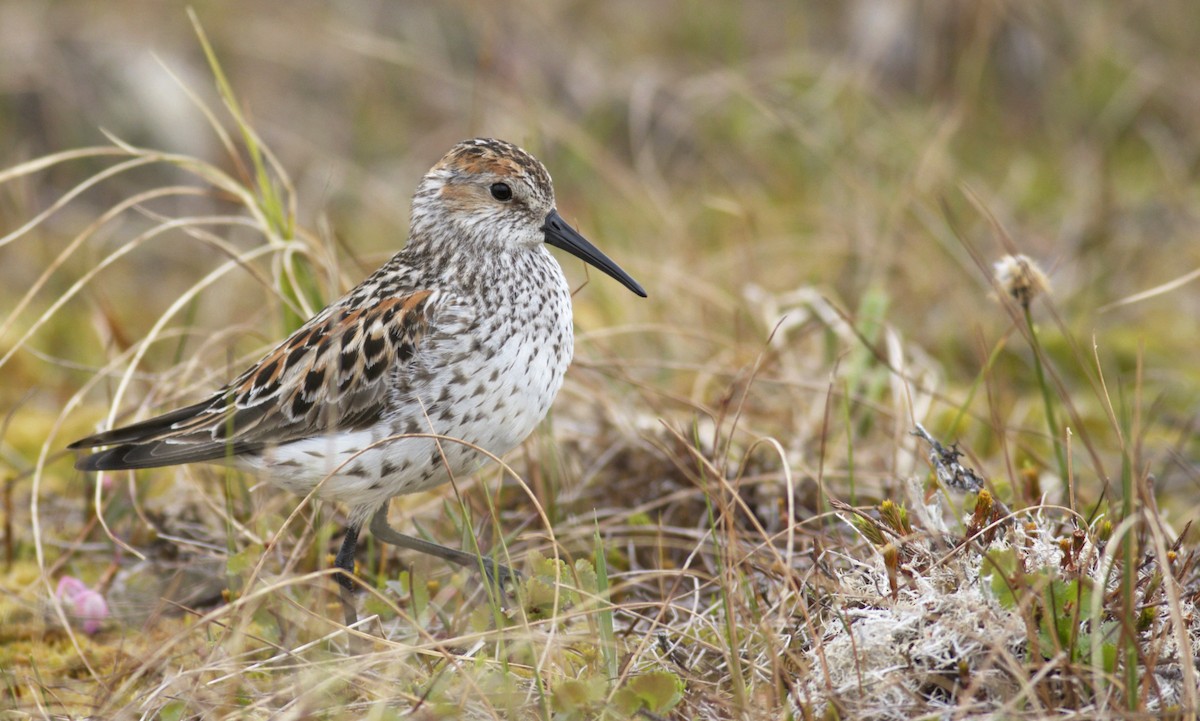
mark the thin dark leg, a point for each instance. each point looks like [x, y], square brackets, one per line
[497, 574]
[345, 579]
[345, 558]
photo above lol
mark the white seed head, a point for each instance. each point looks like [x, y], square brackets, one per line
[1021, 278]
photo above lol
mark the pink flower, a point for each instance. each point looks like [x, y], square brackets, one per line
[91, 608]
[85, 604]
[69, 587]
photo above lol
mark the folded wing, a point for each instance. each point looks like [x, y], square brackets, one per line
[329, 375]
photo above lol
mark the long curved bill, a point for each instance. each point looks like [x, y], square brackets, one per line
[561, 235]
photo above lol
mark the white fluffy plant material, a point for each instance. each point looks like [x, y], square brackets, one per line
[944, 641]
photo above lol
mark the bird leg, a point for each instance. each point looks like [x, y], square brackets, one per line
[497, 574]
[345, 558]
[345, 579]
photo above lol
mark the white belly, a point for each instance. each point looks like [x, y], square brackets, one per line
[475, 402]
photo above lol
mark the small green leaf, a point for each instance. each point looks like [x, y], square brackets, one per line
[419, 596]
[1108, 654]
[586, 574]
[578, 695]
[658, 691]
[243, 561]
[540, 598]
[1001, 565]
[626, 702]
[373, 606]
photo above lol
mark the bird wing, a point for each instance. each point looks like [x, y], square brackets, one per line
[331, 373]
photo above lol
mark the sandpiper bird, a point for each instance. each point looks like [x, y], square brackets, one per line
[458, 343]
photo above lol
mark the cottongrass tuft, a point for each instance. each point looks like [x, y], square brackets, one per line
[1021, 278]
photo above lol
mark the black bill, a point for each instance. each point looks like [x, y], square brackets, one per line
[561, 235]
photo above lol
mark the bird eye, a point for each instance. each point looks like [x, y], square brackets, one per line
[501, 192]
